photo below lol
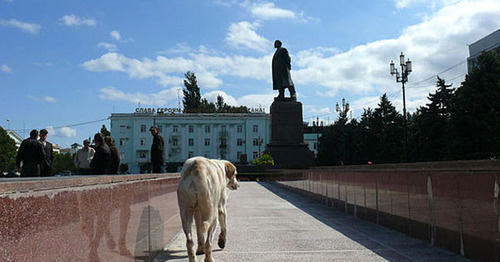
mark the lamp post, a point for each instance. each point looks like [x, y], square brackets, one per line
[403, 78]
[342, 111]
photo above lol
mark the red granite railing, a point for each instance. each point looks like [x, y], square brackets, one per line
[93, 218]
[449, 204]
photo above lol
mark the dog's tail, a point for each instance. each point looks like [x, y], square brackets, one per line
[203, 196]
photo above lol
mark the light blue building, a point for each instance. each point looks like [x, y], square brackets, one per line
[228, 136]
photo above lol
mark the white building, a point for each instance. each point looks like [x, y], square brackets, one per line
[213, 135]
[15, 136]
[490, 42]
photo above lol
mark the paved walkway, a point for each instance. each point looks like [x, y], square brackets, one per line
[268, 223]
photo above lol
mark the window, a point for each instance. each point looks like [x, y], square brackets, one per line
[207, 154]
[207, 141]
[160, 129]
[315, 145]
[175, 128]
[207, 129]
[239, 142]
[191, 129]
[143, 154]
[175, 142]
[190, 154]
[143, 128]
[239, 128]
[123, 128]
[143, 141]
[191, 142]
[122, 141]
[255, 141]
[223, 128]
[238, 155]
[255, 155]
[255, 128]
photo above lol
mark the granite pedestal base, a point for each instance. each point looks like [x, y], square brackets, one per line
[287, 145]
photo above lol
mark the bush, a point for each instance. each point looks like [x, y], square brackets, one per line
[264, 160]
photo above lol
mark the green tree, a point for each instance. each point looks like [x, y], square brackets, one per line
[192, 97]
[430, 134]
[7, 151]
[63, 162]
[476, 111]
[104, 131]
[388, 125]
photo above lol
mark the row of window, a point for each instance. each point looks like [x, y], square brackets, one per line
[175, 128]
[144, 154]
[175, 142]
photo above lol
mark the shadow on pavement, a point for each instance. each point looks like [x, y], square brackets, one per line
[378, 239]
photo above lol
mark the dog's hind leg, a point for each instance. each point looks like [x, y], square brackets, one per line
[187, 216]
[199, 232]
[208, 243]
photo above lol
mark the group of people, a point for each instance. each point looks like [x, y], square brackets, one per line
[102, 158]
[36, 156]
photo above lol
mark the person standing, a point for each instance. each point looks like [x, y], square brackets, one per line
[281, 66]
[83, 158]
[46, 166]
[115, 156]
[30, 154]
[157, 150]
[102, 157]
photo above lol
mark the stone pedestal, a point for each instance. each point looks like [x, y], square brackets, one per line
[287, 145]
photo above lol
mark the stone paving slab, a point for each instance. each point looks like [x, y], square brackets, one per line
[269, 223]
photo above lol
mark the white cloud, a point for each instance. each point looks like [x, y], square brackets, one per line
[436, 43]
[74, 20]
[228, 99]
[66, 132]
[6, 69]
[62, 131]
[48, 99]
[161, 98]
[115, 35]
[242, 35]
[401, 4]
[26, 27]
[269, 11]
[108, 46]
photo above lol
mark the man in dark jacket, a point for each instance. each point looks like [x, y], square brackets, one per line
[30, 154]
[46, 166]
[281, 67]
[157, 150]
[102, 157]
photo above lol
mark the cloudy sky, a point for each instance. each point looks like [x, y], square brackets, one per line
[67, 65]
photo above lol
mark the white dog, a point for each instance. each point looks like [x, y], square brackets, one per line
[202, 193]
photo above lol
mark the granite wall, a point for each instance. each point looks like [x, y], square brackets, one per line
[453, 205]
[94, 218]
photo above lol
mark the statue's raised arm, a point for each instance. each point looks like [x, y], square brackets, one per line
[281, 71]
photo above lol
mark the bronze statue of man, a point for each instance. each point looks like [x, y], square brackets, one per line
[281, 71]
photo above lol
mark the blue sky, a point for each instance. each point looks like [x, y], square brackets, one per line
[69, 62]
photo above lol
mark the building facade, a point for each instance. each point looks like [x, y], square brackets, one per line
[213, 135]
[490, 43]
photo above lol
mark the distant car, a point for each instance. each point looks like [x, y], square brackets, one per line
[64, 173]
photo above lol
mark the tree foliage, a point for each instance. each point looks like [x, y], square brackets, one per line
[195, 103]
[7, 152]
[462, 123]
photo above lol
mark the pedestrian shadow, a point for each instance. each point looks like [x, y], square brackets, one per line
[387, 243]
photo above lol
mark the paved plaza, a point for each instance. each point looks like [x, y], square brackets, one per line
[269, 223]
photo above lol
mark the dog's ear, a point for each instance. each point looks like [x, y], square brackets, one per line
[230, 169]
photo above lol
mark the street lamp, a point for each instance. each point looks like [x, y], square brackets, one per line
[403, 78]
[342, 110]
